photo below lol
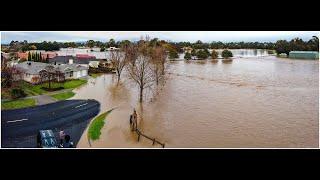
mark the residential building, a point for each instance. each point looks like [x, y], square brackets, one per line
[31, 70]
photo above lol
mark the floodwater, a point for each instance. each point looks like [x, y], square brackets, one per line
[257, 102]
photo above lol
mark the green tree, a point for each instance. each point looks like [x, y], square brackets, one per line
[40, 57]
[214, 54]
[173, 54]
[207, 52]
[202, 54]
[193, 52]
[226, 54]
[29, 56]
[91, 43]
[187, 56]
[282, 46]
[111, 43]
[124, 43]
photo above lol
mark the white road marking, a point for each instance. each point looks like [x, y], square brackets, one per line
[17, 120]
[81, 105]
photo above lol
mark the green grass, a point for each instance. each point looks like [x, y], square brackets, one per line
[33, 90]
[74, 83]
[63, 96]
[15, 104]
[94, 75]
[95, 127]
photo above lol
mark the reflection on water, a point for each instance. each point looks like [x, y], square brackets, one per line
[250, 102]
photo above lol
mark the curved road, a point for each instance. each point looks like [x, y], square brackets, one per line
[19, 127]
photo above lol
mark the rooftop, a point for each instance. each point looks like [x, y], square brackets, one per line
[31, 67]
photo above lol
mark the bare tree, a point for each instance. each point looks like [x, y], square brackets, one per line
[118, 61]
[147, 64]
[10, 74]
[130, 53]
[141, 73]
[158, 60]
[48, 74]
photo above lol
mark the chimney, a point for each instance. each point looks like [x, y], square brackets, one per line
[70, 61]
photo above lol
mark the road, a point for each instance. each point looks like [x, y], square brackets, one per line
[19, 127]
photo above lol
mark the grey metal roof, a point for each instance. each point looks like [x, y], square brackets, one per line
[65, 60]
[36, 67]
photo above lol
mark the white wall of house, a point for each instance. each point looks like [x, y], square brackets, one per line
[84, 73]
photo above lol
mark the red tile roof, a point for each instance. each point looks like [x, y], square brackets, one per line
[84, 56]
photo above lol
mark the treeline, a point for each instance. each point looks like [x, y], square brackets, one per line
[18, 46]
[297, 44]
[220, 45]
[281, 46]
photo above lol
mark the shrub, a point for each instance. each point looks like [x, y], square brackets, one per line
[226, 53]
[214, 54]
[187, 56]
[193, 52]
[202, 54]
[17, 93]
[173, 54]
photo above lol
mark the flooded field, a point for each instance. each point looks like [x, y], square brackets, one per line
[249, 102]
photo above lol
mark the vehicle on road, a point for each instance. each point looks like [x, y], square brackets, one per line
[46, 139]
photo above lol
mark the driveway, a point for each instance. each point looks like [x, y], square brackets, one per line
[44, 99]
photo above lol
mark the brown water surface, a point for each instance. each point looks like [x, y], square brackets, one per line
[249, 102]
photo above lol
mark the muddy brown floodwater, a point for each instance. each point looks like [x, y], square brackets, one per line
[249, 102]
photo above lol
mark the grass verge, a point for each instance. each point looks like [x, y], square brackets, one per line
[95, 127]
[16, 104]
[33, 90]
[63, 96]
[94, 75]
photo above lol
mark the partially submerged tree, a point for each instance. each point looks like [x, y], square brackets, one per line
[226, 54]
[158, 60]
[214, 54]
[187, 56]
[118, 61]
[130, 53]
[141, 73]
[146, 63]
[173, 54]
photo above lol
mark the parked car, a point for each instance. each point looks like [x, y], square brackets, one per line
[46, 139]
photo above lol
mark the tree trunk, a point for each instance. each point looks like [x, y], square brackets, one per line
[118, 78]
[141, 93]
[49, 83]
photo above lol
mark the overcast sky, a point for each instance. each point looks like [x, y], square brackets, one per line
[176, 36]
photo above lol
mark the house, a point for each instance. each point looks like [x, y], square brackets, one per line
[31, 70]
[82, 59]
[304, 55]
[22, 55]
[96, 49]
[94, 64]
[112, 48]
[44, 54]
